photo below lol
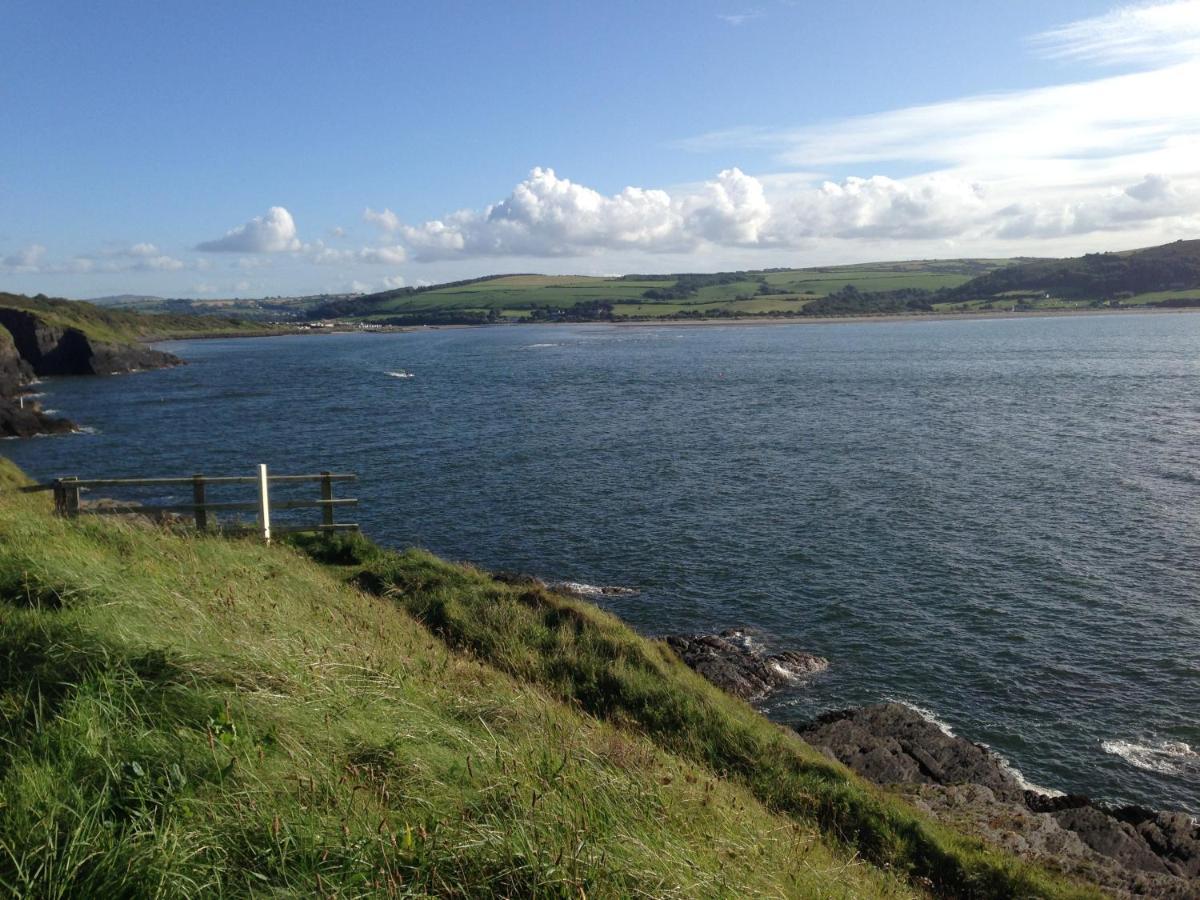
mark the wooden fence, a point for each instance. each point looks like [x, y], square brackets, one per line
[68, 502]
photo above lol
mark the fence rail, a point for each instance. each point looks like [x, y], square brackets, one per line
[68, 502]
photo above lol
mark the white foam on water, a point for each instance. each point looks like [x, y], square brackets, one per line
[925, 714]
[1005, 764]
[1025, 783]
[539, 346]
[401, 374]
[590, 590]
[1163, 757]
[789, 674]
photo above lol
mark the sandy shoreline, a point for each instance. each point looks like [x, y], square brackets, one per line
[899, 317]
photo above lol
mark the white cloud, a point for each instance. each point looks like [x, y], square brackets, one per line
[1141, 33]
[136, 258]
[321, 254]
[385, 220]
[392, 282]
[546, 215]
[730, 210]
[1154, 197]
[881, 207]
[736, 19]
[27, 259]
[388, 255]
[274, 232]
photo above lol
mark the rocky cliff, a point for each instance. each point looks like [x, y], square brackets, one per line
[50, 349]
[32, 345]
[15, 372]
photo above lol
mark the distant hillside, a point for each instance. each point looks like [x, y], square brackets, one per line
[128, 300]
[680, 295]
[254, 308]
[1097, 276]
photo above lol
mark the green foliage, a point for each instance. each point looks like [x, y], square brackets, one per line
[122, 326]
[199, 716]
[1169, 267]
[593, 661]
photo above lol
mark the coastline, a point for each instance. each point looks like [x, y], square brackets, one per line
[905, 317]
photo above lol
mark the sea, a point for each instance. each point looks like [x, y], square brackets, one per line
[995, 521]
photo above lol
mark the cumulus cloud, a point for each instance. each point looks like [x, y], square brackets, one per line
[881, 207]
[274, 232]
[385, 220]
[546, 215]
[730, 210]
[1153, 198]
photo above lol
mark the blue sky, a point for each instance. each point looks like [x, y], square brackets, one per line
[248, 149]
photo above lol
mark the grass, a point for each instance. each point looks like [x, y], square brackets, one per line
[123, 326]
[515, 293]
[192, 715]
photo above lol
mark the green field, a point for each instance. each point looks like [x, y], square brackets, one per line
[515, 296]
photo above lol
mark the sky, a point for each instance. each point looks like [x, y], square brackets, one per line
[287, 148]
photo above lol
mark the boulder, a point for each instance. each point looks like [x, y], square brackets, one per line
[736, 664]
[890, 743]
[29, 420]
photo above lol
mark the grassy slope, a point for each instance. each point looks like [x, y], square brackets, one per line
[124, 326]
[189, 715]
[516, 293]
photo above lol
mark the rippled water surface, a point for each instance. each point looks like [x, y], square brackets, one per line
[998, 521]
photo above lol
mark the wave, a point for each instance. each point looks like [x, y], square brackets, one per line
[925, 714]
[539, 346]
[591, 590]
[1163, 757]
[1005, 764]
[401, 374]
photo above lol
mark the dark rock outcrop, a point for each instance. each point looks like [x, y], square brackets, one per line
[53, 350]
[890, 743]
[15, 372]
[1044, 838]
[1128, 850]
[734, 663]
[29, 420]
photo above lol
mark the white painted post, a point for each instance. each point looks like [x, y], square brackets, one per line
[264, 504]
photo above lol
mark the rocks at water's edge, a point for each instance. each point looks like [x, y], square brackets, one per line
[17, 420]
[736, 664]
[1128, 850]
[29, 346]
[893, 744]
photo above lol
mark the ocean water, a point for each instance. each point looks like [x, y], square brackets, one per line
[997, 521]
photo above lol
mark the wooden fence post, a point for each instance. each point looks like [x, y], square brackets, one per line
[264, 503]
[70, 497]
[198, 499]
[60, 498]
[327, 495]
